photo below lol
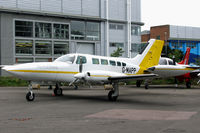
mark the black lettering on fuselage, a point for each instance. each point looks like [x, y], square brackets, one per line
[130, 70]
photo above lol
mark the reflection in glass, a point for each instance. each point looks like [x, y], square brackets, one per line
[77, 30]
[23, 28]
[24, 47]
[92, 31]
[43, 48]
[42, 30]
[61, 48]
[61, 31]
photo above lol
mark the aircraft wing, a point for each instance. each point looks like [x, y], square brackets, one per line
[132, 77]
[193, 67]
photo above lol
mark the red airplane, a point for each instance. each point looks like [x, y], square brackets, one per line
[188, 76]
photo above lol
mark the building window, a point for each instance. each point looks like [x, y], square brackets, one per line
[42, 30]
[23, 28]
[92, 31]
[43, 48]
[77, 30]
[191, 45]
[116, 26]
[61, 31]
[23, 60]
[135, 30]
[114, 44]
[23, 47]
[61, 48]
[43, 60]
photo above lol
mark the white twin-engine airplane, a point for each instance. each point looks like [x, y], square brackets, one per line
[76, 68]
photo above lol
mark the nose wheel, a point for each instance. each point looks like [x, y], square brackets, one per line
[30, 96]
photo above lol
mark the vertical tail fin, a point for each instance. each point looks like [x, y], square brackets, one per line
[185, 60]
[151, 55]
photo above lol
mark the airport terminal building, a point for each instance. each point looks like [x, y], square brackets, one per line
[41, 30]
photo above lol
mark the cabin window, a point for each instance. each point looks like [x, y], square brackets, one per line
[112, 63]
[119, 64]
[84, 60]
[123, 64]
[104, 62]
[95, 61]
[170, 62]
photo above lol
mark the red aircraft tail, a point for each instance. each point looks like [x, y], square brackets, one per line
[186, 57]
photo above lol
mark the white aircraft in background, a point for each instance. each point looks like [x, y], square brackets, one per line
[169, 68]
[76, 68]
[199, 80]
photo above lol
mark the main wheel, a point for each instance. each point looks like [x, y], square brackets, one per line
[111, 97]
[30, 96]
[138, 83]
[188, 84]
[58, 92]
[146, 87]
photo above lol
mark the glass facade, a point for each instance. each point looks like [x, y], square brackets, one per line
[43, 48]
[42, 41]
[135, 30]
[61, 48]
[24, 47]
[23, 29]
[61, 31]
[81, 30]
[42, 30]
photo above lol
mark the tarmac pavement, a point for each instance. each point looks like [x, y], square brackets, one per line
[161, 109]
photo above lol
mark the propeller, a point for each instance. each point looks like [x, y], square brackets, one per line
[81, 64]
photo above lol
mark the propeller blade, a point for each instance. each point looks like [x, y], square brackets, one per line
[81, 64]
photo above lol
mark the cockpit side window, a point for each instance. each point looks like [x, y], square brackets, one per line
[84, 60]
[170, 62]
[162, 62]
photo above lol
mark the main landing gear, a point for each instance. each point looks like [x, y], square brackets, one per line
[58, 91]
[30, 96]
[114, 92]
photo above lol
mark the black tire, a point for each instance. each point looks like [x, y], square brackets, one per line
[146, 87]
[111, 97]
[30, 97]
[138, 83]
[188, 84]
[58, 92]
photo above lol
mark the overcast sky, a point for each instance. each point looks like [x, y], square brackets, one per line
[173, 12]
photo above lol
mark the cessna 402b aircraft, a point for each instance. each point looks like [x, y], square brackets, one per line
[74, 68]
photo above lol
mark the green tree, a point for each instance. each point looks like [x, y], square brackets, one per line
[178, 54]
[197, 61]
[118, 52]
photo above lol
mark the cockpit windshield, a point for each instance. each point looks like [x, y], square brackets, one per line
[66, 58]
[162, 61]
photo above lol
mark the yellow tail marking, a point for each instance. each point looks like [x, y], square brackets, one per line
[152, 57]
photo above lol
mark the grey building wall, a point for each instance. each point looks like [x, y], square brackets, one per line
[75, 7]
[184, 32]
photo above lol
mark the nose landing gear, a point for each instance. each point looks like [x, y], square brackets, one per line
[30, 96]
